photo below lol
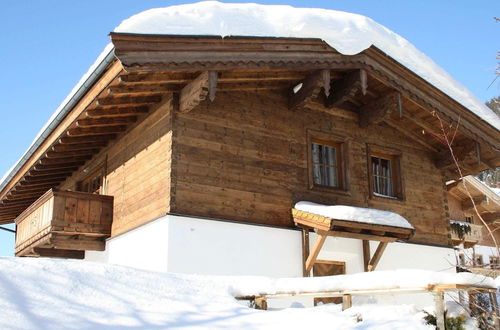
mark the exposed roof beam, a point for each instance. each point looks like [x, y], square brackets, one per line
[309, 88]
[196, 91]
[379, 109]
[346, 88]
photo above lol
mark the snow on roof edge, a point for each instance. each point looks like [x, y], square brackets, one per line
[348, 33]
[94, 71]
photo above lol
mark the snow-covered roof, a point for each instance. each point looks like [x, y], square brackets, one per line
[348, 33]
[357, 214]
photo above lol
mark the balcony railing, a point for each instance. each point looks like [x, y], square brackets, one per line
[64, 224]
[466, 233]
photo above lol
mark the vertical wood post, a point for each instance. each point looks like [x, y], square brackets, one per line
[439, 301]
[496, 312]
[366, 254]
[305, 250]
[346, 301]
[261, 303]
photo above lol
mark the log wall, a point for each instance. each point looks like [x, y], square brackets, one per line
[244, 157]
[137, 172]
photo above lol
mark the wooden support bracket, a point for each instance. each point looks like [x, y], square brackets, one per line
[347, 88]
[378, 110]
[376, 256]
[311, 259]
[196, 91]
[309, 89]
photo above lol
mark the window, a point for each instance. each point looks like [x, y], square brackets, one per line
[494, 262]
[468, 219]
[478, 260]
[93, 183]
[384, 173]
[326, 161]
[326, 164]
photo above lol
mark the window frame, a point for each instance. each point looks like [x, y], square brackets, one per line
[394, 156]
[100, 171]
[340, 144]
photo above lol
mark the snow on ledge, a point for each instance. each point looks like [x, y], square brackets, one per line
[357, 214]
[348, 33]
[377, 280]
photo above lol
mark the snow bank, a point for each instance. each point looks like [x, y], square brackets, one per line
[358, 214]
[66, 294]
[348, 33]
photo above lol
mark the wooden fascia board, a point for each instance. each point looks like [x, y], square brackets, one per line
[111, 73]
[428, 96]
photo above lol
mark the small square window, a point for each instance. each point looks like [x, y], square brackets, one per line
[326, 161]
[384, 174]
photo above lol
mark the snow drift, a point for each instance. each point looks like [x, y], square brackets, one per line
[68, 294]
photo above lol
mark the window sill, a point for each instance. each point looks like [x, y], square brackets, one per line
[380, 197]
[330, 190]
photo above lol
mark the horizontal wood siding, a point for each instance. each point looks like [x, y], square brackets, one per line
[137, 167]
[244, 157]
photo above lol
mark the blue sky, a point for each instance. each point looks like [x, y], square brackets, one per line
[48, 45]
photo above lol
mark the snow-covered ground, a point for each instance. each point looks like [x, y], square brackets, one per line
[68, 294]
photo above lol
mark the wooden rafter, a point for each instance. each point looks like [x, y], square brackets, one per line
[117, 111]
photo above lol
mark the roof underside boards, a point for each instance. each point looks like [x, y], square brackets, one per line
[149, 70]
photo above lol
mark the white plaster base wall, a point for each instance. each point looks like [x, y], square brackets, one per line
[203, 246]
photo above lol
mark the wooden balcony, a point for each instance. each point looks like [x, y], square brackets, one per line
[468, 237]
[64, 224]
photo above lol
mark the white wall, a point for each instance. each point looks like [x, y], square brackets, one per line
[225, 248]
[201, 246]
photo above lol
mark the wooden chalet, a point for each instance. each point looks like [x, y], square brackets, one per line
[241, 129]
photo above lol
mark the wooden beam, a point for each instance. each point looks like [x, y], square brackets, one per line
[59, 253]
[308, 89]
[366, 254]
[197, 91]
[77, 153]
[55, 171]
[468, 205]
[40, 167]
[311, 259]
[136, 100]
[37, 180]
[79, 131]
[491, 217]
[131, 89]
[113, 121]
[54, 161]
[117, 111]
[305, 250]
[78, 146]
[412, 136]
[378, 110]
[347, 88]
[86, 139]
[376, 256]
[465, 150]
